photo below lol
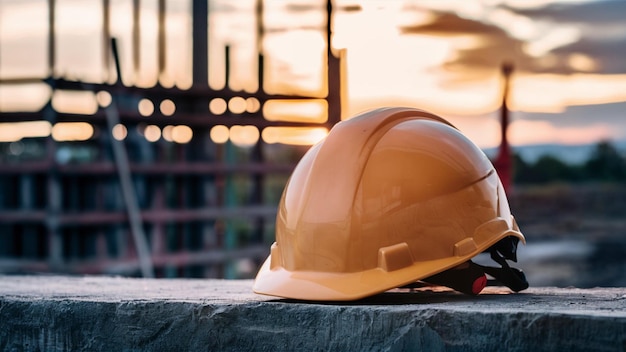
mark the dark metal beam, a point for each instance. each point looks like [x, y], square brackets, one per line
[51, 36]
[162, 44]
[136, 38]
[200, 65]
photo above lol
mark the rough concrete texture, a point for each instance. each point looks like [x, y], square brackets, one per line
[49, 313]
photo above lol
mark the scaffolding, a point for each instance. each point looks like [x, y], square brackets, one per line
[127, 206]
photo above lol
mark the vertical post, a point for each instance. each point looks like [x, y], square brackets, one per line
[200, 64]
[106, 40]
[504, 163]
[53, 188]
[333, 79]
[329, 26]
[136, 41]
[29, 234]
[261, 77]
[260, 30]
[260, 26]
[258, 188]
[158, 231]
[161, 39]
[227, 67]
[51, 36]
[230, 235]
[209, 191]
[55, 243]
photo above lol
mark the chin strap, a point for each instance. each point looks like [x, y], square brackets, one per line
[513, 278]
[470, 278]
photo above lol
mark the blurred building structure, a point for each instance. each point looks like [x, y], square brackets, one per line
[151, 192]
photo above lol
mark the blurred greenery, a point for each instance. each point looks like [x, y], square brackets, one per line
[605, 164]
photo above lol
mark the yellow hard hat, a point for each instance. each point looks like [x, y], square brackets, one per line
[389, 197]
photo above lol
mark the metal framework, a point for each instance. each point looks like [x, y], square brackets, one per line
[154, 209]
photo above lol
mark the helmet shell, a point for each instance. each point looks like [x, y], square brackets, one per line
[390, 197]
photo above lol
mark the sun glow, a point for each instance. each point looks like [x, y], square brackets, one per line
[75, 102]
[72, 131]
[386, 65]
[313, 111]
[15, 131]
[294, 135]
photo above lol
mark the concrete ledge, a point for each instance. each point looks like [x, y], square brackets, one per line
[49, 313]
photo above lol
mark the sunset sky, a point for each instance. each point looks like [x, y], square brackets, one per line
[569, 83]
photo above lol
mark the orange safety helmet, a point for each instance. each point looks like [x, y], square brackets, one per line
[389, 197]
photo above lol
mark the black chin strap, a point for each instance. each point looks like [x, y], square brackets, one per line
[470, 279]
[513, 278]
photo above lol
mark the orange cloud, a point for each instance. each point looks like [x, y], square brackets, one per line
[523, 132]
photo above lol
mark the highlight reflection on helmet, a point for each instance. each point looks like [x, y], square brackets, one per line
[390, 197]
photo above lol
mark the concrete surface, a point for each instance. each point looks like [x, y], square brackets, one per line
[51, 313]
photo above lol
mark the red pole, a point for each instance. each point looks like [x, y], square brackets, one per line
[504, 162]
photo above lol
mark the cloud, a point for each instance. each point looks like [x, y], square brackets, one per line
[602, 29]
[561, 38]
[580, 116]
[492, 46]
[608, 55]
[452, 24]
[596, 12]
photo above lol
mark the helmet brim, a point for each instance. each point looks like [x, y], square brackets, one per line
[332, 286]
